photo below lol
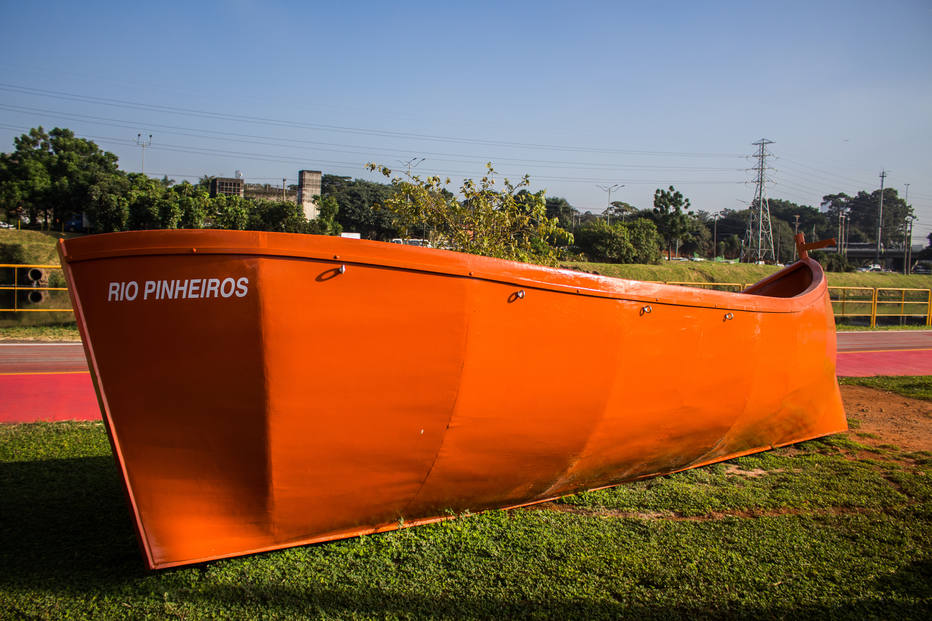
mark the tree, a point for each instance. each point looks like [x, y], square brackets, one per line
[281, 216]
[50, 176]
[108, 206]
[359, 206]
[605, 243]
[697, 239]
[145, 203]
[326, 221]
[643, 235]
[490, 222]
[620, 210]
[863, 209]
[193, 203]
[229, 212]
[561, 209]
[671, 214]
[808, 217]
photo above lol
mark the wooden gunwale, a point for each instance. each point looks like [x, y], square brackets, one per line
[438, 262]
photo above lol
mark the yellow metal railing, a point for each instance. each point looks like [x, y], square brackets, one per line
[909, 303]
[854, 302]
[31, 279]
[868, 302]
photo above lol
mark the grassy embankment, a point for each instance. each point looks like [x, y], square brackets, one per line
[829, 528]
[706, 271]
[37, 248]
[913, 386]
[857, 300]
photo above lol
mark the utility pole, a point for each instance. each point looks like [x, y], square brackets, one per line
[883, 175]
[283, 189]
[841, 229]
[905, 246]
[609, 189]
[795, 233]
[907, 235]
[843, 232]
[760, 229]
[847, 231]
[143, 143]
[715, 236]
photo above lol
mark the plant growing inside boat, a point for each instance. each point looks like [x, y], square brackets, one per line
[507, 223]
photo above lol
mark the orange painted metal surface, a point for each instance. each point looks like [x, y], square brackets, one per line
[266, 390]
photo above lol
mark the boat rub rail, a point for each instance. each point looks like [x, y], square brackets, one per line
[353, 252]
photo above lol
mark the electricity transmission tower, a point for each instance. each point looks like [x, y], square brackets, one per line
[759, 237]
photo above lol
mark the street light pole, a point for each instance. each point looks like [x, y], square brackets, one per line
[795, 233]
[143, 143]
[609, 189]
[715, 237]
[883, 175]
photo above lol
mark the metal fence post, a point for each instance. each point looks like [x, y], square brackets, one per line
[874, 309]
[929, 309]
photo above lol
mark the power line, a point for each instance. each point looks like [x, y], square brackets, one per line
[852, 180]
[275, 141]
[278, 158]
[120, 103]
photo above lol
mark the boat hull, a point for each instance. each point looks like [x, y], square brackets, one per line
[271, 390]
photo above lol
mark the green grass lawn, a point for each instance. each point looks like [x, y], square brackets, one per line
[67, 331]
[914, 386]
[829, 528]
[38, 247]
[707, 271]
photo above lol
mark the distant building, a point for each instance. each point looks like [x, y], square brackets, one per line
[226, 185]
[308, 188]
[268, 192]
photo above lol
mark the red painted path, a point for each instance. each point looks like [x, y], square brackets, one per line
[50, 381]
[863, 354]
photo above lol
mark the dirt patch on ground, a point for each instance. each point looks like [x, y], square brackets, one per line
[889, 418]
[712, 515]
[735, 470]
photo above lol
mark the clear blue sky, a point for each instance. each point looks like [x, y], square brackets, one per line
[645, 94]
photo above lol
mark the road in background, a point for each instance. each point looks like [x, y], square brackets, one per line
[51, 381]
[887, 352]
[45, 381]
[42, 358]
[884, 340]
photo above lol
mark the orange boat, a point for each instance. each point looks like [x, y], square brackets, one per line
[266, 390]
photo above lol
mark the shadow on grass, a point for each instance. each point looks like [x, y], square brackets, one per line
[65, 522]
[66, 531]
[365, 601]
[913, 580]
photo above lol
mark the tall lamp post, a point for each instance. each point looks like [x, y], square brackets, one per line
[609, 189]
[716, 215]
[144, 142]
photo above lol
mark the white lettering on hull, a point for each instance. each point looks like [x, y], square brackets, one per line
[189, 289]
